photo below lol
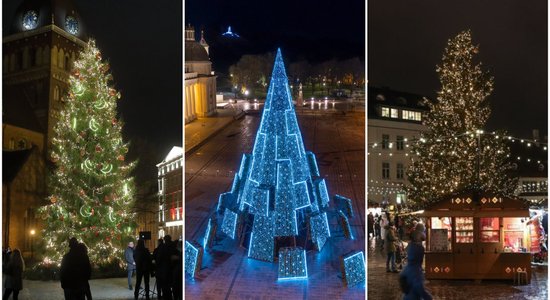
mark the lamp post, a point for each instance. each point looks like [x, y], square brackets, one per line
[32, 243]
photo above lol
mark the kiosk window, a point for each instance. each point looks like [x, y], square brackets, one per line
[440, 234]
[489, 230]
[514, 231]
[464, 230]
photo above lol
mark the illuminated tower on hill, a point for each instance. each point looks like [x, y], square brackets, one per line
[277, 196]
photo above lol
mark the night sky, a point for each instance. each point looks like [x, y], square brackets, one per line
[406, 40]
[314, 30]
[143, 42]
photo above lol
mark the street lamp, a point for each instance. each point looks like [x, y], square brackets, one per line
[32, 242]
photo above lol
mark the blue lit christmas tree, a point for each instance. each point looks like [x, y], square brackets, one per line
[278, 191]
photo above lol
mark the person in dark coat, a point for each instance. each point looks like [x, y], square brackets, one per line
[370, 224]
[75, 271]
[130, 263]
[411, 278]
[165, 267]
[158, 281]
[177, 272]
[142, 258]
[14, 275]
[377, 228]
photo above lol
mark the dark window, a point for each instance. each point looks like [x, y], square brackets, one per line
[385, 170]
[400, 142]
[385, 141]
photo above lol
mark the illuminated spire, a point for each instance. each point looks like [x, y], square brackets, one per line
[203, 42]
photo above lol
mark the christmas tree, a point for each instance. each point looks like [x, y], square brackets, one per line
[455, 153]
[278, 183]
[91, 192]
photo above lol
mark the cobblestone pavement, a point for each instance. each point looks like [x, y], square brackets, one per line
[382, 285]
[338, 142]
[109, 288]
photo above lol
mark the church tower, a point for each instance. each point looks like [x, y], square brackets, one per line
[203, 42]
[38, 55]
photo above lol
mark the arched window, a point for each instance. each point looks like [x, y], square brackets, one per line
[67, 62]
[61, 59]
[54, 55]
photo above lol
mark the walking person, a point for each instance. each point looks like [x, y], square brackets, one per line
[391, 238]
[130, 263]
[75, 272]
[411, 280]
[14, 275]
[377, 233]
[143, 263]
[383, 228]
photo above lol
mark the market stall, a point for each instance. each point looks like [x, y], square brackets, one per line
[477, 235]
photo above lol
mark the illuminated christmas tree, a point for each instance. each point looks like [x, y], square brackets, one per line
[91, 191]
[277, 193]
[455, 153]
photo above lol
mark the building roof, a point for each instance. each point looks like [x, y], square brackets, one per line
[13, 161]
[175, 153]
[383, 96]
[49, 12]
[194, 51]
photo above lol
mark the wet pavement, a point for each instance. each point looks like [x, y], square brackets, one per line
[338, 142]
[382, 285]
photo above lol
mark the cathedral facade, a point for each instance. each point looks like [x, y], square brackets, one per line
[200, 81]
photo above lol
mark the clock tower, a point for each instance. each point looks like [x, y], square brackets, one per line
[38, 54]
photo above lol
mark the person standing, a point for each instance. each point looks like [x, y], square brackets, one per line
[156, 258]
[391, 238]
[75, 271]
[383, 228]
[377, 226]
[370, 224]
[130, 263]
[143, 263]
[14, 275]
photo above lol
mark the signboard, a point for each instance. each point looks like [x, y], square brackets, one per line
[439, 240]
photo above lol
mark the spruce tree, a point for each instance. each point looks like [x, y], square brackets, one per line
[91, 191]
[455, 152]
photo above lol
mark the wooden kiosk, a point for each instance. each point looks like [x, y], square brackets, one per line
[477, 235]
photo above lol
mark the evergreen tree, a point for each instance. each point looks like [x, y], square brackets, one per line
[91, 191]
[455, 153]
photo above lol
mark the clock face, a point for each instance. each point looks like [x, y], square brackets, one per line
[30, 20]
[71, 24]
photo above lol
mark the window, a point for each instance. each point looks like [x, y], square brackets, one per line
[400, 141]
[440, 234]
[394, 113]
[400, 171]
[464, 230]
[490, 230]
[385, 141]
[412, 115]
[386, 170]
[514, 231]
[386, 112]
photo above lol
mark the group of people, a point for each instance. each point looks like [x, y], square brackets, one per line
[167, 268]
[390, 233]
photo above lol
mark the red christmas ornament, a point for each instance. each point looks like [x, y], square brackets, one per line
[120, 157]
[61, 218]
[92, 212]
[98, 56]
[97, 233]
[53, 199]
[82, 193]
[114, 121]
[105, 68]
[76, 73]
[98, 148]
[106, 199]
[112, 92]
[107, 239]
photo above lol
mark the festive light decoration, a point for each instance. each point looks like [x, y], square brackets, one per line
[87, 170]
[353, 268]
[344, 204]
[278, 185]
[210, 233]
[320, 230]
[193, 258]
[344, 224]
[292, 264]
[442, 166]
[229, 225]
